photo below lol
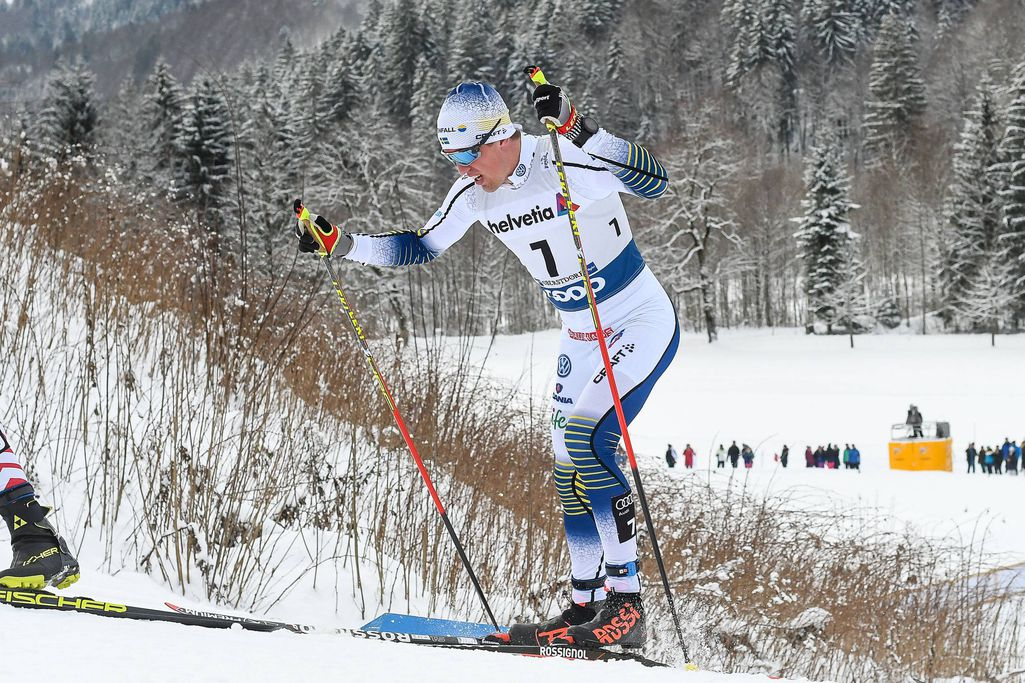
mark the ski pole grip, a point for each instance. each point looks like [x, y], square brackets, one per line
[535, 75]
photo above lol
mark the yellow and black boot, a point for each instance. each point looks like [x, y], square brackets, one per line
[41, 557]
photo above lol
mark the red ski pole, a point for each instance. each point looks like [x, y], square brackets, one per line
[327, 236]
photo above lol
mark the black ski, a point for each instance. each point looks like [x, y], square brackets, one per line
[451, 642]
[32, 599]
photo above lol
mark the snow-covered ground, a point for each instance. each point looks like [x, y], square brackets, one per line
[86, 648]
[762, 387]
[774, 387]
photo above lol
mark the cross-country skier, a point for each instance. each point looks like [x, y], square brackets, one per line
[41, 557]
[508, 185]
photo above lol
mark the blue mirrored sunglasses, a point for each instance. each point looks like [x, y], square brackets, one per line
[465, 157]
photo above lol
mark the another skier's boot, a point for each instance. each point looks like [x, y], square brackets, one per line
[547, 632]
[620, 621]
[41, 557]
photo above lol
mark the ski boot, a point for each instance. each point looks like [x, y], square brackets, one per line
[547, 632]
[620, 621]
[41, 556]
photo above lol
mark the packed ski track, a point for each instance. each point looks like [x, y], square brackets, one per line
[94, 648]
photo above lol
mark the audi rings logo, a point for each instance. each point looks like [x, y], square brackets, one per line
[576, 292]
[624, 503]
[565, 366]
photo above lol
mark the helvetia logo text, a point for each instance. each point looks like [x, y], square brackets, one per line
[536, 215]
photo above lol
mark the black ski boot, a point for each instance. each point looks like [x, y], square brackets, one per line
[547, 632]
[41, 557]
[619, 622]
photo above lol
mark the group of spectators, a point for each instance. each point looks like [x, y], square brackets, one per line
[672, 457]
[735, 454]
[995, 460]
[830, 457]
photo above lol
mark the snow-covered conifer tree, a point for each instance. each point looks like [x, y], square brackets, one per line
[825, 238]
[972, 204]
[896, 97]
[781, 38]
[744, 52]
[67, 122]
[399, 48]
[1011, 154]
[204, 153]
[832, 28]
[162, 113]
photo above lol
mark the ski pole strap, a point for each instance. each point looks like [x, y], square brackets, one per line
[588, 584]
[628, 569]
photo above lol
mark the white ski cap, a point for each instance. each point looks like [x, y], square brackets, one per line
[469, 111]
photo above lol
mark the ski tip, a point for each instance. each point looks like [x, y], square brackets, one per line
[172, 606]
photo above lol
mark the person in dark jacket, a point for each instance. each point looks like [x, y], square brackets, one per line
[748, 455]
[915, 420]
[1012, 458]
[1000, 457]
[784, 456]
[971, 454]
[670, 456]
[734, 453]
[820, 457]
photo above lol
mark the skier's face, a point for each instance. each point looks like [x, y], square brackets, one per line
[496, 163]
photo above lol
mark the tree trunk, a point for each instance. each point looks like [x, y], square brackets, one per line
[707, 299]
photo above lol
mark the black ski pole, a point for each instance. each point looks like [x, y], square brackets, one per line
[326, 236]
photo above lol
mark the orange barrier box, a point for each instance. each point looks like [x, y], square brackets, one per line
[922, 454]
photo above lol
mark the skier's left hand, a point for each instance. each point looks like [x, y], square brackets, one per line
[307, 243]
[553, 106]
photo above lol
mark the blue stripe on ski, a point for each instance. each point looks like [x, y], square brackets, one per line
[426, 626]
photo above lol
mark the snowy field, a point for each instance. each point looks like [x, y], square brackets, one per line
[774, 387]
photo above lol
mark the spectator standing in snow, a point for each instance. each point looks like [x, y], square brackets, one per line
[971, 454]
[1012, 458]
[915, 420]
[748, 455]
[987, 460]
[734, 454]
[847, 456]
[855, 458]
[720, 457]
[809, 457]
[820, 457]
[688, 457]
[784, 456]
[671, 456]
